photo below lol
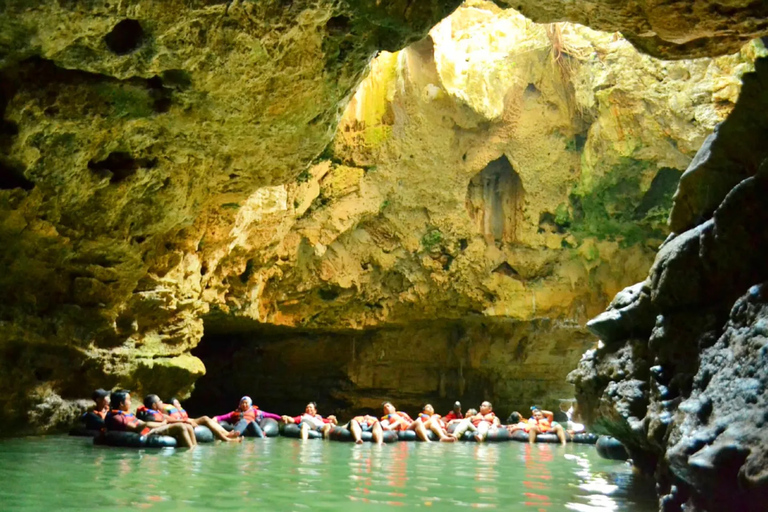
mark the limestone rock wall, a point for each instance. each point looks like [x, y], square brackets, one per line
[158, 159]
[499, 168]
[123, 125]
[512, 364]
[680, 378]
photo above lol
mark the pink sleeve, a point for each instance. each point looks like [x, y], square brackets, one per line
[297, 419]
[223, 417]
[266, 414]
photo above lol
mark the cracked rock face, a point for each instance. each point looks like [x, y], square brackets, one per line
[161, 158]
[124, 123]
[681, 379]
[669, 30]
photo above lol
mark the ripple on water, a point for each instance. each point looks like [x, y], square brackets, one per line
[286, 474]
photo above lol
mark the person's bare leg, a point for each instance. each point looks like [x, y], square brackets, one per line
[377, 433]
[191, 434]
[482, 431]
[435, 427]
[421, 432]
[560, 434]
[180, 433]
[357, 431]
[218, 430]
[327, 431]
[304, 433]
[532, 434]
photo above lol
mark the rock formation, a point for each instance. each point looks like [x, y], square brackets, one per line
[681, 377]
[162, 158]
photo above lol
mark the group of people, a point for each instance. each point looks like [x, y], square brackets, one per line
[112, 411]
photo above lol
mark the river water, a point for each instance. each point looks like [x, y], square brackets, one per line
[66, 473]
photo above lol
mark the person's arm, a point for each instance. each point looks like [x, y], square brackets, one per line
[549, 415]
[223, 417]
[270, 415]
[288, 419]
[330, 419]
[496, 421]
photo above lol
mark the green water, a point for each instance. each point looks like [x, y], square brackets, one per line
[64, 473]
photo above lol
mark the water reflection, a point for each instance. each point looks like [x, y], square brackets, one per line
[290, 474]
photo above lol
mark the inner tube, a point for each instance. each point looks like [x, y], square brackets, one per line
[203, 434]
[344, 435]
[133, 440]
[84, 432]
[611, 448]
[584, 438]
[497, 435]
[519, 435]
[270, 427]
[410, 435]
[293, 430]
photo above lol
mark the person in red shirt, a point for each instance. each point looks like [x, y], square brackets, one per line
[455, 414]
[400, 422]
[310, 420]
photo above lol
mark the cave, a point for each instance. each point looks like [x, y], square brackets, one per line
[495, 202]
[350, 220]
[352, 371]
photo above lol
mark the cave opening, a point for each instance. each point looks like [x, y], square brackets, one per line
[495, 201]
[125, 37]
[349, 372]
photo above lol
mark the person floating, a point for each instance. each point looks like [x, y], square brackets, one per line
[310, 420]
[247, 417]
[154, 411]
[120, 419]
[400, 422]
[435, 423]
[455, 413]
[541, 422]
[366, 423]
[176, 413]
[485, 421]
[93, 418]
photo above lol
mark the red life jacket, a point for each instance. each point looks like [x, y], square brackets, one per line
[177, 414]
[252, 414]
[150, 414]
[122, 421]
[488, 417]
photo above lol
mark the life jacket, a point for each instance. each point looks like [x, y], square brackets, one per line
[424, 416]
[252, 414]
[176, 414]
[398, 414]
[543, 424]
[149, 414]
[126, 420]
[488, 417]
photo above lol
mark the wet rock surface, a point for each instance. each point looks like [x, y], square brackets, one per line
[689, 399]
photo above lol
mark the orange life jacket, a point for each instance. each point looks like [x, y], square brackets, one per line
[488, 417]
[150, 414]
[543, 424]
[252, 414]
[398, 414]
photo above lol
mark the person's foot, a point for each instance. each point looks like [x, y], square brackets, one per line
[358, 441]
[447, 439]
[233, 434]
